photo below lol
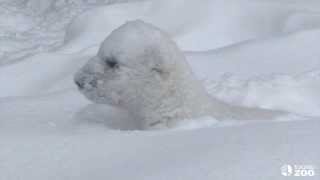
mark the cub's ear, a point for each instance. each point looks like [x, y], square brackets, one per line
[160, 72]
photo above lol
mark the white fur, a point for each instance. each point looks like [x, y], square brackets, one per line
[151, 80]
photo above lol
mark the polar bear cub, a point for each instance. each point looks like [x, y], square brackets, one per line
[139, 68]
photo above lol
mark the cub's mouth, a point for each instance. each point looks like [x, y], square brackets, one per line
[82, 84]
[86, 82]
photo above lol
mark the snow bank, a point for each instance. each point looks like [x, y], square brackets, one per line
[224, 21]
[267, 73]
[298, 94]
[49, 131]
[29, 27]
[237, 152]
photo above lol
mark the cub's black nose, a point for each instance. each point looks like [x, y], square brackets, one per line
[79, 84]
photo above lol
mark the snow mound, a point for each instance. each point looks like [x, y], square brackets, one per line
[267, 73]
[235, 152]
[225, 21]
[298, 94]
[258, 53]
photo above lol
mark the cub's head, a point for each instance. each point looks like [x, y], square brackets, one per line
[137, 64]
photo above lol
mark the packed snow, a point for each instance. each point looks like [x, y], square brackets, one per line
[249, 53]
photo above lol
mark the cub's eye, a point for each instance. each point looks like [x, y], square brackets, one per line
[112, 62]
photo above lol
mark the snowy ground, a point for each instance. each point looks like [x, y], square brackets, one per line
[256, 53]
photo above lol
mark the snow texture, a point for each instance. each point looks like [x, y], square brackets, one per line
[248, 53]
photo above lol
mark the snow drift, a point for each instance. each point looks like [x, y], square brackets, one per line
[253, 53]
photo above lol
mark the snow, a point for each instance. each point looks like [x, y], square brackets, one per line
[254, 53]
[225, 22]
[236, 152]
[257, 73]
